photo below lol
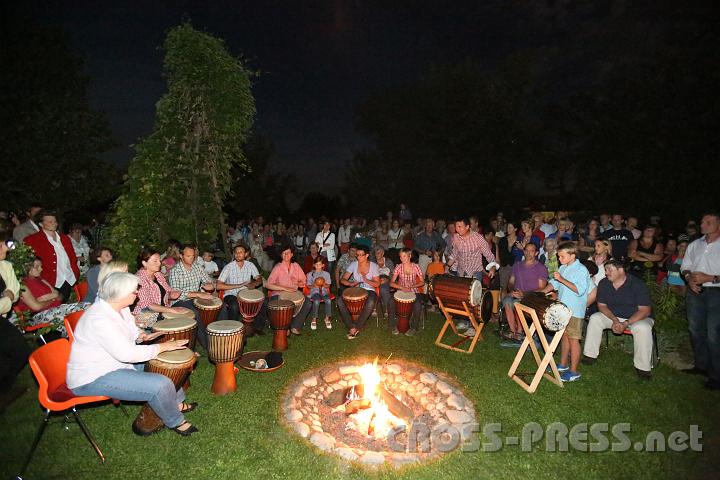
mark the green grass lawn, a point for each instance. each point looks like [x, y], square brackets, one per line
[241, 435]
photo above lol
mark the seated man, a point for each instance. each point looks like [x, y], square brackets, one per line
[527, 276]
[345, 259]
[287, 276]
[240, 275]
[364, 274]
[624, 304]
[190, 279]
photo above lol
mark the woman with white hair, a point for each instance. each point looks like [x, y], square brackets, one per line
[106, 358]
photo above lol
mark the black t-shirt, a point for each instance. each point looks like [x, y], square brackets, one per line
[624, 301]
[619, 241]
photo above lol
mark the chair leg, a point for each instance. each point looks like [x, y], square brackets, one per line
[88, 435]
[118, 404]
[38, 435]
[656, 350]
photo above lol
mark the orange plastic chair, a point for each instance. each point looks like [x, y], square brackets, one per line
[31, 329]
[81, 289]
[49, 364]
[71, 321]
[655, 360]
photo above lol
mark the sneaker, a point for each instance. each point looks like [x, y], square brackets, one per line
[328, 323]
[588, 360]
[470, 332]
[462, 325]
[313, 324]
[643, 374]
[396, 331]
[562, 368]
[410, 332]
[570, 376]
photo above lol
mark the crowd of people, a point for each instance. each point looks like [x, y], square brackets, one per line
[598, 266]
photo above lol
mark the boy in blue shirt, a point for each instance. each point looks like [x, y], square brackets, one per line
[572, 282]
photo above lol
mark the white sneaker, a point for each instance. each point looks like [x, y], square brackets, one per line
[462, 325]
[470, 332]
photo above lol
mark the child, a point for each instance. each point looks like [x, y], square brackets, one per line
[572, 282]
[319, 283]
[437, 267]
[209, 264]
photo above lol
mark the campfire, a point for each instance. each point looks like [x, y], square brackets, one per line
[378, 413]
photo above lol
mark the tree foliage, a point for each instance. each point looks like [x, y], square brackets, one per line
[51, 137]
[181, 174]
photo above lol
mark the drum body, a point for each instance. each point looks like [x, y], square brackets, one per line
[208, 309]
[225, 343]
[177, 366]
[483, 311]
[280, 313]
[297, 298]
[554, 315]
[355, 298]
[177, 328]
[250, 301]
[404, 302]
[453, 291]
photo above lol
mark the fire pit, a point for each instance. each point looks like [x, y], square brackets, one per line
[393, 413]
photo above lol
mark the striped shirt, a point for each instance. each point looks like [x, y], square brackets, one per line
[468, 252]
[408, 280]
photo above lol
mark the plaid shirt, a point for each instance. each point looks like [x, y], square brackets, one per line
[408, 280]
[187, 281]
[149, 293]
[468, 251]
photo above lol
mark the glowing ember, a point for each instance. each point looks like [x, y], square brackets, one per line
[376, 420]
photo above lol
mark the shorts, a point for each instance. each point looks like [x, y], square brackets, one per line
[574, 328]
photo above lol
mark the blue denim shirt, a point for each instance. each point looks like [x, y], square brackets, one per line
[576, 273]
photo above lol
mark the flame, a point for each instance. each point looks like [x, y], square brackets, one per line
[377, 420]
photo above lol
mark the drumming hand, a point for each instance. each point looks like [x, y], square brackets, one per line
[204, 295]
[173, 345]
[557, 276]
[146, 337]
[517, 294]
[179, 310]
[208, 287]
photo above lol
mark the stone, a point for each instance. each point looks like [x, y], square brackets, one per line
[315, 416]
[425, 390]
[372, 458]
[348, 369]
[444, 388]
[456, 402]
[415, 383]
[330, 375]
[322, 441]
[346, 454]
[428, 378]
[310, 381]
[410, 373]
[458, 416]
[342, 383]
[310, 401]
[400, 459]
[394, 368]
[301, 428]
[299, 391]
[441, 406]
[329, 390]
[315, 428]
[294, 415]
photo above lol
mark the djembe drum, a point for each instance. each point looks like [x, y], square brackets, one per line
[250, 302]
[208, 309]
[296, 297]
[553, 315]
[404, 302]
[225, 340]
[453, 291]
[281, 314]
[178, 328]
[176, 365]
[355, 298]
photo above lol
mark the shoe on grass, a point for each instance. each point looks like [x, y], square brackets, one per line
[328, 323]
[410, 332]
[570, 376]
[396, 331]
[462, 325]
[470, 332]
[313, 324]
[588, 360]
[643, 374]
[562, 368]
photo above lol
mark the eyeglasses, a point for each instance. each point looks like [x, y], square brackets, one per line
[10, 244]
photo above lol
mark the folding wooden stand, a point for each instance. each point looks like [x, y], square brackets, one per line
[466, 312]
[542, 363]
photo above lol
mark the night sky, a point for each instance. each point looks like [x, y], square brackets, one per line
[317, 60]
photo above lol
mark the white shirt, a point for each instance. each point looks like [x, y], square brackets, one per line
[703, 257]
[82, 249]
[235, 274]
[344, 234]
[328, 249]
[395, 238]
[372, 274]
[210, 267]
[105, 342]
[64, 271]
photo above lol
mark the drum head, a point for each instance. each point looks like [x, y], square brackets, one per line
[557, 316]
[280, 304]
[212, 303]
[182, 355]
[251, 295]
[355, 293]
[405, 297]
[295, 297]
[225, 327]
[476, 293]
[174, 324]
[187, 314]
[486, 306]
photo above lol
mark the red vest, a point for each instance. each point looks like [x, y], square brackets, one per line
[45, 250]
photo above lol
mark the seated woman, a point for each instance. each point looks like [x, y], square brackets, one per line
[171, 257]
[99, 257]
[42, 301]
[154, 292]
[105, 358]
[408, 277]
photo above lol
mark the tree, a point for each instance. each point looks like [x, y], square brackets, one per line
[181, 174]
[51, 137]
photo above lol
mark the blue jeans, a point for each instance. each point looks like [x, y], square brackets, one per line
[135, 385]
[364, 315]
[703, 312]
[316, 298]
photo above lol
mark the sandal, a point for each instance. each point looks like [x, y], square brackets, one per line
[188, 407]
[187, 432]
[313, 324]
[294, 331]
[328, 323]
